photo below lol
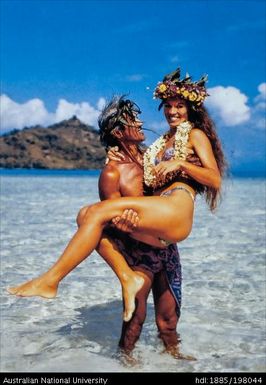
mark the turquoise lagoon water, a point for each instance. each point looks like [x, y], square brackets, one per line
[223, 315]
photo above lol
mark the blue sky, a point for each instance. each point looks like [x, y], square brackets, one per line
[64, 57]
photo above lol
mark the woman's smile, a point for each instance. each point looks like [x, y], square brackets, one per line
[175, 111]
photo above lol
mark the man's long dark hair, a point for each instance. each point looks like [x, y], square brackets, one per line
[113, 116]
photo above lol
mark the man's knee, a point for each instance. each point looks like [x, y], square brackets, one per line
[167, 330]
[166, 322]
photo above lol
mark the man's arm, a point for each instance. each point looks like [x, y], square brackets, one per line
[109, 188]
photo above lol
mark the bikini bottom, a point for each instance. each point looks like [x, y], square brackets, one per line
[169, 192]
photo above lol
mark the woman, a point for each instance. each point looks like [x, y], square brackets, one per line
[174, 178]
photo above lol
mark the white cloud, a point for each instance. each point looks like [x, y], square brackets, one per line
[262, 90]
[229, 104]
[101, 103]
[16, 115]
[84, 111]
[33, 112]
[258, 111]
[261, 97]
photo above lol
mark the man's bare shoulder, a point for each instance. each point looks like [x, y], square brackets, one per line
[109, 182]
[110, 172]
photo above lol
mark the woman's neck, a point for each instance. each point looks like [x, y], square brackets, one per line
[172, 130]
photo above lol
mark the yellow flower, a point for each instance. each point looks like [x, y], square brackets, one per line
[185, 94]
[162, 88]
[193, 96]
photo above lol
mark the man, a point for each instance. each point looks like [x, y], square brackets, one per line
[159, 268]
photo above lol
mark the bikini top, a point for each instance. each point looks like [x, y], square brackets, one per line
[167, 155]
[182, 176]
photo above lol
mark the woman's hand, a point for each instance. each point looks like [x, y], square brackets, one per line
[163, 168]
[128, 221]
[114, 154]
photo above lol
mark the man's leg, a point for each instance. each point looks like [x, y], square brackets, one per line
[165, 310]
[131, 330]
[166, 316]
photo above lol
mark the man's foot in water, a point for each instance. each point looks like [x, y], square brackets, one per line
[126, 358]
[175, 352]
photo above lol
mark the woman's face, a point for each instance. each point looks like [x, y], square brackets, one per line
[175, 111]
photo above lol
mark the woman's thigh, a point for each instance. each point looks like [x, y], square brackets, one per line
[165, 217]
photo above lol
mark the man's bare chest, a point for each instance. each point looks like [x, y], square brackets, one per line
[131, 180]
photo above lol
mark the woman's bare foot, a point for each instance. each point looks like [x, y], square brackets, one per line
[36, 287]
[129, 291]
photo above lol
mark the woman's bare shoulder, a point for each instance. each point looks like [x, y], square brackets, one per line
[197, 132]
[197, 135]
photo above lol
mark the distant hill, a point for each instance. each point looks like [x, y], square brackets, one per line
[69, 144]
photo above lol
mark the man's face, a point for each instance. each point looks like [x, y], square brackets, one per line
[133, 130]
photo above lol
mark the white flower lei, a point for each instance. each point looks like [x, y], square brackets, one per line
[180, 147]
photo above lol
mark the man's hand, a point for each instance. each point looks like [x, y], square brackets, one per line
[128, 222]
[114, 154]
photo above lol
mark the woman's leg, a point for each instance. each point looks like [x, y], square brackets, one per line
[131, 281]
[166, 315]
[168, 218]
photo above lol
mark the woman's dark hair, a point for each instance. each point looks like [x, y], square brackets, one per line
[201, 119]
[113, 116]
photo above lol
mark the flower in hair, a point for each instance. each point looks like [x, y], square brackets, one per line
[172, 86]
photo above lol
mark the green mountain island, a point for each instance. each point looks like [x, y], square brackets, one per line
[68, 145]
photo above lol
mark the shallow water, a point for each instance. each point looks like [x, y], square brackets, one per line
[223, 314]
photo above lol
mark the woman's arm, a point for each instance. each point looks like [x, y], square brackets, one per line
[208, 174]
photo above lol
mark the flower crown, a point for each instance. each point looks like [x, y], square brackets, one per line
[172, 87]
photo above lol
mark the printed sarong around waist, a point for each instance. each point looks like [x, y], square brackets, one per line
[152, 259]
